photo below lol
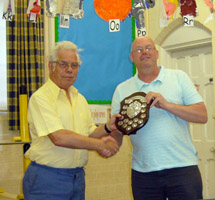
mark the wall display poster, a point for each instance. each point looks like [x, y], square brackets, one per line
[105, 55]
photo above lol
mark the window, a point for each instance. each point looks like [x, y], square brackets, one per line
[3, 62]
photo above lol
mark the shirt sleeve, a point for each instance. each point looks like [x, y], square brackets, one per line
[115, 105]
[190, 93]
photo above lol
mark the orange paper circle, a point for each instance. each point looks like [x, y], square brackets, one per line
[112, 9]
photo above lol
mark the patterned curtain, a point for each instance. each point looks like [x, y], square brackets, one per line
[25, 57]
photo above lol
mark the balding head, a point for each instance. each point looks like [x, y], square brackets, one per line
[142, 39]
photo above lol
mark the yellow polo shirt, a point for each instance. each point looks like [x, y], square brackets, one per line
[50, 110]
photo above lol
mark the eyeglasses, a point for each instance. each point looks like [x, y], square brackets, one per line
[140, 49]
[65, 65]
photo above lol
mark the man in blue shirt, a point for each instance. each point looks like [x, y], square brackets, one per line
[164, 159]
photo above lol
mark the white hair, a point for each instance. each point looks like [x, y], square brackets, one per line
[64, 45]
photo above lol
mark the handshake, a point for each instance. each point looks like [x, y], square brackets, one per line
[111, 142]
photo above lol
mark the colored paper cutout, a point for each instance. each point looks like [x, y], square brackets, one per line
[170, 7]
[73, 8]
[112, 9]
[212, 10]
[210, 5]
[34, 7]
[188, 7]
[150, 3]
[137, 11]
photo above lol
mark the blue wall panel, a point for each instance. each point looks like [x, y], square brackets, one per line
[105, 59]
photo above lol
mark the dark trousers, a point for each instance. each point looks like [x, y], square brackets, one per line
[182, 183]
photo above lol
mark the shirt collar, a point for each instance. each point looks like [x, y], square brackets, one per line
[56, 90]
[159, 78]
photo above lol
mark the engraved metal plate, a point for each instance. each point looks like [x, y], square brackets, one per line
[135, 113]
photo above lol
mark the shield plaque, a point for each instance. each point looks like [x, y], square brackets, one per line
[134, 113]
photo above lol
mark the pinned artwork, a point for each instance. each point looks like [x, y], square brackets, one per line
[33, 11]
[188, 7]
[9, 10]
[168, 10]
[64, 21]
[112, 9]
[99, 113]
[209, 3]
[73, 8]
[51, 6]
[188, 11]
[170, 7]
[137, 11]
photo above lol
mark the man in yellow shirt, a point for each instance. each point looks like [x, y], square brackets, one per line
[62, 132]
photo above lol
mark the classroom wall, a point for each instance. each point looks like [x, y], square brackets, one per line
[110, 179]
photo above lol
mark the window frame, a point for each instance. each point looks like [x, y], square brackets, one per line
[3, 61]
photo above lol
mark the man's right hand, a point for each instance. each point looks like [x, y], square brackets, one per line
[110, 147]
